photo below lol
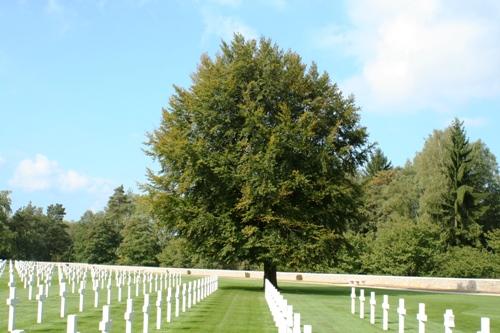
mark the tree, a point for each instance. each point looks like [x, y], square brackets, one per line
[139, 246]
[377, 162]
[119, 207]
[6, 235]
[57, 238]
[460, 203]
[258, 159]
[102, 241]
[29, 226]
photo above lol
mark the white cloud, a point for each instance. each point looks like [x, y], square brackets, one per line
[34, 175]
[225, 26]
[420, 54]
[41, 173]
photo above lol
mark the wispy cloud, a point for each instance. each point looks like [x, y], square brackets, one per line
[419, 54]
[40, 173]
[225, 27]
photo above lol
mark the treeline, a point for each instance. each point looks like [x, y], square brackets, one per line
[439, 215]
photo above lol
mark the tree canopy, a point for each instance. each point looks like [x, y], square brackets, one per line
[258, 158]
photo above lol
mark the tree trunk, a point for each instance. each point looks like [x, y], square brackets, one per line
[270, 273]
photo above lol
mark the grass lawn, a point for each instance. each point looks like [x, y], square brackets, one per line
[239, 306]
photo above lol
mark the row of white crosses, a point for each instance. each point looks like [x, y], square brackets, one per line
[284, 318]
[201, 289]
[449, 318]
[73, 275]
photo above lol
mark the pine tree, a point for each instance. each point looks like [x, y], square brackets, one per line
[460, 203]
[378, 162]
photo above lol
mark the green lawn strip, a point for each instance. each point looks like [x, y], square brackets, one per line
[327, 308]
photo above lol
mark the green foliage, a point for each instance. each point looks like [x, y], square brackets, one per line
[257, 158]
[6, 235]
[101, 242]
[460, 203]
[469, 262]
[139, 246]
[377, 162]
[57, 238]
[404, 248]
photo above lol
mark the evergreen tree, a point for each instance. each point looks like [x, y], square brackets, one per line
[460, 203]
[377, 162]
[258, 159]
[119, 206]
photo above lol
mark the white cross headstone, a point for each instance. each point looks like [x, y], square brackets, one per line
[296, 323]
[198, 299]
[96, 293]
[40, 298]
[72, 324]
[119, 290]
[307, 329]
[106, 322]
[421, 317]
[402, 314]
[189, 294]
[195, 286]
[385, 313]
[31, 282]
[129, 316]
[11, 302]
[449, 321]
[183, 297]
[62, 293]
[128, 286]
[145, 312]
[362, 304]
[289, 318]
[373, 303]
[81, 292]
[353, 300]
[169, 304]
[176, 301]
[108, 287]
[158, 308]
[485, 325]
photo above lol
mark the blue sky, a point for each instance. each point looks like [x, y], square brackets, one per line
[82, 82]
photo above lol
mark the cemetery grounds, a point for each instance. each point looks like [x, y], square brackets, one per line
[239, 306]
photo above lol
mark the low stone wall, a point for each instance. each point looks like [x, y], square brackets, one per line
[490, 286]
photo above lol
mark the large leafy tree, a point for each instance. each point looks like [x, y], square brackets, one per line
[257, 159]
